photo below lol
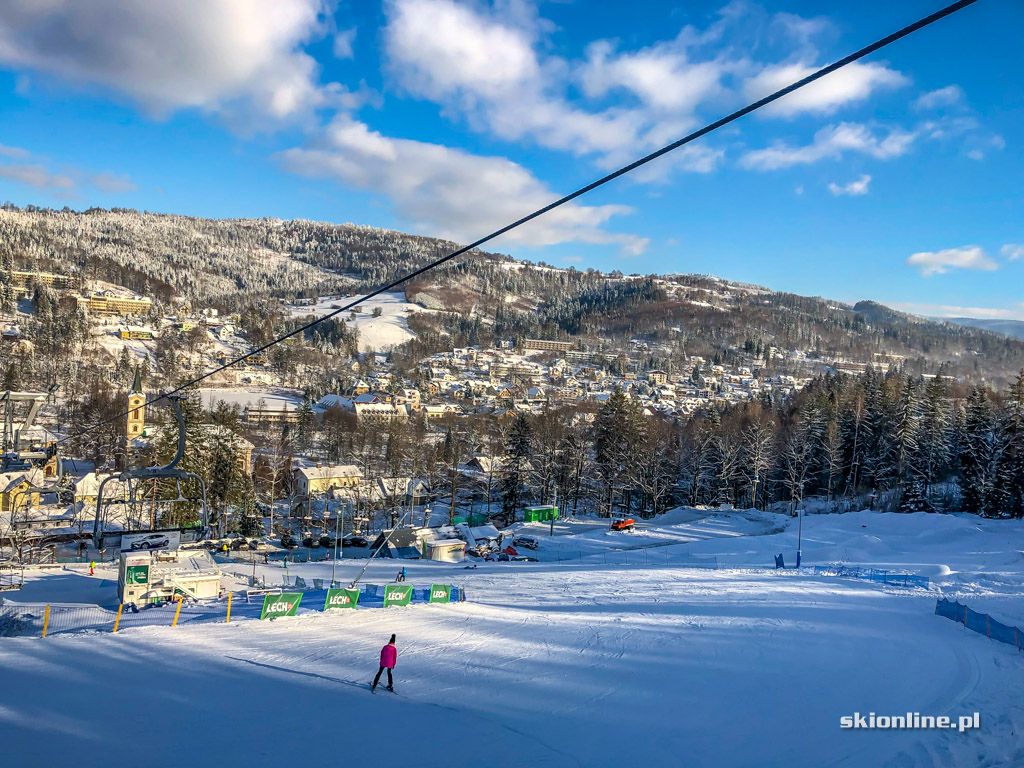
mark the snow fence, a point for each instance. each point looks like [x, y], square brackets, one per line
[893, 578]
[41, 620]
[979, 622]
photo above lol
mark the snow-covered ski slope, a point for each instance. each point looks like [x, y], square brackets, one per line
[565, 664]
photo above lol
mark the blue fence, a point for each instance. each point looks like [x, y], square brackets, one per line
[29, 619]
[981, 623]
[892, 578]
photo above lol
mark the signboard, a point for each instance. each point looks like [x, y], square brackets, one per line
[397, 594]
[136, 574]
[440, 593]
[341, 598]
[146, 541]
[285, 604]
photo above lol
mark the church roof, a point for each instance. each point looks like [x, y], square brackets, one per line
[137, 383]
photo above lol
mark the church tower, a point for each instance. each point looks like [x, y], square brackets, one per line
[136, 407]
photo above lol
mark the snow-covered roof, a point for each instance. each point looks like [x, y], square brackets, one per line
[328, 473]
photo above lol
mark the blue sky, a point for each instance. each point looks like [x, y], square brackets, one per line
[898, 179]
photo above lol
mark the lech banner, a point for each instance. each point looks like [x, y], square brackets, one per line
[285, 604]
[397, 594]
[341, 598]
[136, 574]
[440, 593]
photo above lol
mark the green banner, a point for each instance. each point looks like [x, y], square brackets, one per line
[341, 598]
[440, 593]
[136, 574]
[285, 604]
[397, 594]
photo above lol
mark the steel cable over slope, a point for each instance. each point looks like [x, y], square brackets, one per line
[752, 107]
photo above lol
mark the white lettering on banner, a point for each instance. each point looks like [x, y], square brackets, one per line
[439, 593]
[279, 607]
[339, 600]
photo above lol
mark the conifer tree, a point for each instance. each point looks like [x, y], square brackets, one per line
[977, 454]
[515, 471]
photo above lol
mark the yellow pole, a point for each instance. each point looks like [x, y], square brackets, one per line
[180, 601]
[118, 619]
[46, 620]
[228, 619]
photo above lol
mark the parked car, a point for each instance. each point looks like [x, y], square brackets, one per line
[240, 545]
[623, 524]
[150, 541]
[475, 552]
[288, 541]
[498, 556]
[525, 541]
[311, 542]
[328, 542]
[523, 559]
[355, 540]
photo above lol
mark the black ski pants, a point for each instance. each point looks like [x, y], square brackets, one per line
[379, 673]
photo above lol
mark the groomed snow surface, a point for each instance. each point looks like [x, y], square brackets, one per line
[562, 663]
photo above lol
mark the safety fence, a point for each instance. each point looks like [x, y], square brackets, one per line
[979, 622]
[893, 578]
[41, 620]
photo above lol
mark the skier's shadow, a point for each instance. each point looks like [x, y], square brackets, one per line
[327, 678]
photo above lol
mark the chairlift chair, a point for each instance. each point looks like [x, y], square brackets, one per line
[130, 478]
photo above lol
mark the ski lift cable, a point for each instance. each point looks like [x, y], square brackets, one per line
[732, 117]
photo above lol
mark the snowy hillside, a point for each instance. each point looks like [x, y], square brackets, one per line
[377, 333]
[565, 663]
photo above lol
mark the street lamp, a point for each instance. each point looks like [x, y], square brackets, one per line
[337, 539]
[799, 533]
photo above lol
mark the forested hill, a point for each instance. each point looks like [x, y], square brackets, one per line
[238, 263]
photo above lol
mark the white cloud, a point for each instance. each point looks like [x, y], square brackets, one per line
[342, 46]
[109, 182]
[943, 97]
[239, 56]
[449, 192]
[662, 76]
[16, 153]
[856, 187]
[441, 46]
[1012, 251]
[35, 171]
[38, 176]
[830, 142]
[940, 262]
[485, 68]
[854, 82]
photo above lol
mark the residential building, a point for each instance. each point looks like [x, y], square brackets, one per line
[106, 304]
[545, 344]
[312, 481]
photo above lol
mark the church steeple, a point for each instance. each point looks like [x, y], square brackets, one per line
[136, 407]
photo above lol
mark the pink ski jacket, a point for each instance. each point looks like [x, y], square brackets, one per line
[388, 656]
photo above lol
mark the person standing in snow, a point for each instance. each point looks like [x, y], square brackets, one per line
[403, 573]
[388, 657]
[92, 567]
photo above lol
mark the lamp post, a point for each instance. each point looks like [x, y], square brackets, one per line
[799, 533]
[337, 539]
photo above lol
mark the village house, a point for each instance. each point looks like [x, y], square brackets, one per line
[313, 481]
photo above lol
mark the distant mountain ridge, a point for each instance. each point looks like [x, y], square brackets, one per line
[1014, 328]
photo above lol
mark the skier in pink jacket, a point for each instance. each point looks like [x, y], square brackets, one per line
[388, 657]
